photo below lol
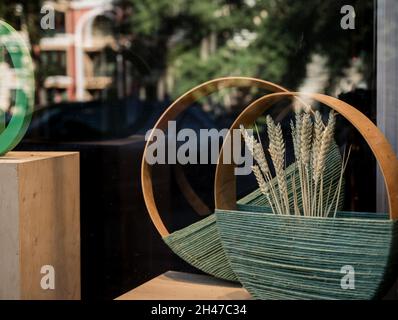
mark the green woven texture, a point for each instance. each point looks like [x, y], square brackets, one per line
[293, 257]
[199, 244]
[256, 201]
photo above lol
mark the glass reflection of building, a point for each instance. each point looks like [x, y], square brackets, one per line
[80, 55]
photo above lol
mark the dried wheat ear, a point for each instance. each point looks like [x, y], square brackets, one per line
[312, 141]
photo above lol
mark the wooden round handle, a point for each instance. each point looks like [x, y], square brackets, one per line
[225, 182]
[172, 112]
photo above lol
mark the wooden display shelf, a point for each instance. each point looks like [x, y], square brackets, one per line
[185, 286]
[39, 224]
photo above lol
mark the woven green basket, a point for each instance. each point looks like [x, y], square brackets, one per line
[295, 257]
[199, 244]
[290, 257]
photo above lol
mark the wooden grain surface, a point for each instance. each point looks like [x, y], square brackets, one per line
[9, 234]
[40, 210]
[174, 285]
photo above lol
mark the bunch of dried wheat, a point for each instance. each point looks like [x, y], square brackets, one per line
[312, 140]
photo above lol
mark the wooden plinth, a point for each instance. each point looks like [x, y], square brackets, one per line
[185, 286]
[39, 224]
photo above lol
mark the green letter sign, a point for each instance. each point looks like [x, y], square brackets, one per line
[19, 80]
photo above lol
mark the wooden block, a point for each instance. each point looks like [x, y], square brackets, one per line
[185, 286]
[39, 224]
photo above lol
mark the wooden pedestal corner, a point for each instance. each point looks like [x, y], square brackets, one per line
[39, 225]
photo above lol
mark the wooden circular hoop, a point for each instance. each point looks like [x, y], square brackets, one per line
[225, 181]
[172, 112]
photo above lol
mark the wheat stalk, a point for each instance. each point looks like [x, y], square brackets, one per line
[303, 137]
[318, 132]
[297, 133]
[338, 190]
[306, 140]
[262, 184]
[341, 180]
[295, 200]
[296, 136]
[321, 147]
[258, 154]
[326, 142]
[277, 151]
[316, 147]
